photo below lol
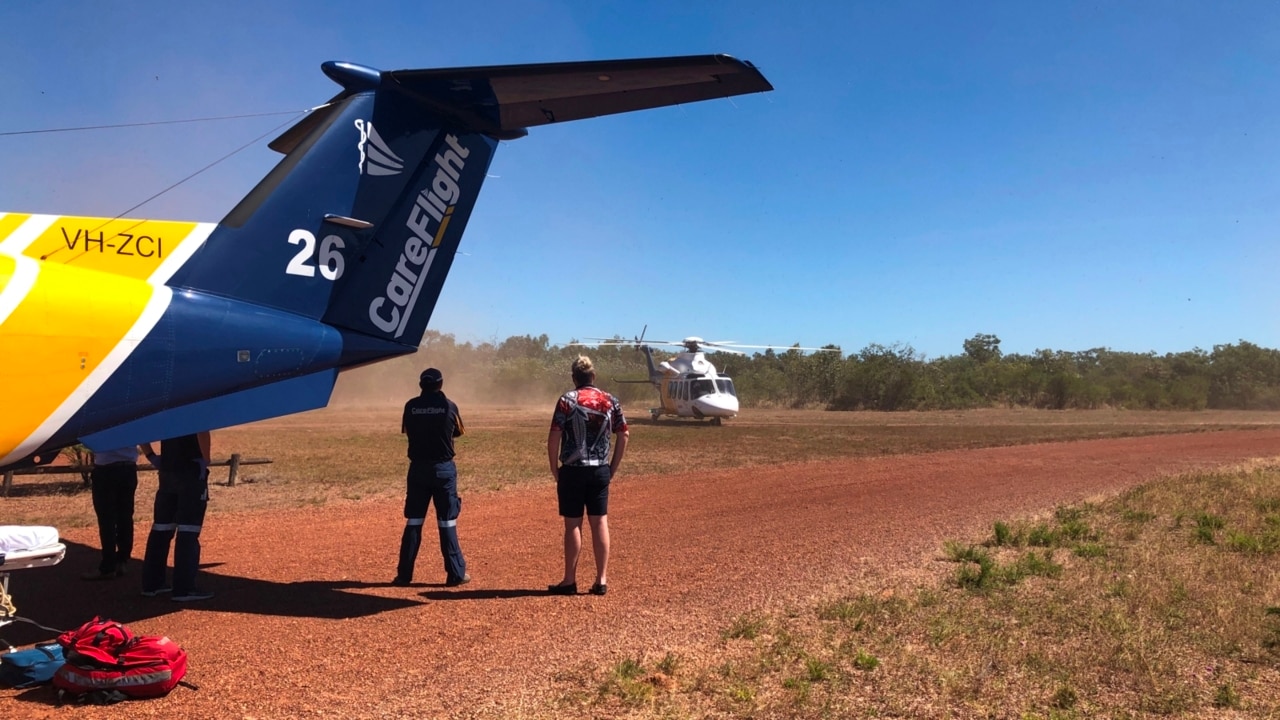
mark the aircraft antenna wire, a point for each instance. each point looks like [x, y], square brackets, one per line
[212, 164]
[240, 149]
[154, 122]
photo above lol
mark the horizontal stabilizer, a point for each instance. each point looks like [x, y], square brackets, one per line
[503, 100]
[299, 394]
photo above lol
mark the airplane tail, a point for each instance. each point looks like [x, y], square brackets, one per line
[358, 225]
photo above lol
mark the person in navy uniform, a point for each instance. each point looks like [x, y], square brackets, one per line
[584, 421]
[181, 500]
[114, 480]
[431, 422]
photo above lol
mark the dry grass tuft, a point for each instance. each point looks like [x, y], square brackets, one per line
[1126, 612]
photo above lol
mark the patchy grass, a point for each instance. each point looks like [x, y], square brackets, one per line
[1140, 618]
[747, 627]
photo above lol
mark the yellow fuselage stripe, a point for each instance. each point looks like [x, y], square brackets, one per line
[7, 267]
[82, 292]
[69, 322]
[10, 222]
[132, 248]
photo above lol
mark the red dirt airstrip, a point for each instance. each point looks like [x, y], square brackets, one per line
[304, 624]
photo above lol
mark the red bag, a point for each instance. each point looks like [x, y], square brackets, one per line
[104, 658]
[95, 642]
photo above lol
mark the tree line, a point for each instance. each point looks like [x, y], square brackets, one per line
[528, 369]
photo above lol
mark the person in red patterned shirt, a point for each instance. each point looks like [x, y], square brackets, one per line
[582, 426]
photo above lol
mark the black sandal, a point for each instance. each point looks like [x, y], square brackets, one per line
[599, 589]
[558, 589]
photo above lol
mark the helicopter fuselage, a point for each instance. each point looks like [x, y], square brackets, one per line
[698, 397]
[689, 386]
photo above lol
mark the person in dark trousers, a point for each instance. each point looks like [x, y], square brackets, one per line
[584, 421]
[114, 481]
[431, 422]
[181, 499]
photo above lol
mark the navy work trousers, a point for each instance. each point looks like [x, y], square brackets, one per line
[114, 487]
[180, 504]
[429, 482]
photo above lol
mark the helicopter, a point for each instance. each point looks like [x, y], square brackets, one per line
[688, 384]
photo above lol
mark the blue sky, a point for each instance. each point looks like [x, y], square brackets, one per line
[1063, 175]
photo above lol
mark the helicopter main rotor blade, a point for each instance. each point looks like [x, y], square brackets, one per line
[725, 346]
[786, 347]
[617, 341]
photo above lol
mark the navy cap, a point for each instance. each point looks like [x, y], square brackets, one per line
[431, 376]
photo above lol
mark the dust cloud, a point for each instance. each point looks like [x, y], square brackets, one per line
[390, 383]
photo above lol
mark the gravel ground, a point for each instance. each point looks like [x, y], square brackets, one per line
[305, 625]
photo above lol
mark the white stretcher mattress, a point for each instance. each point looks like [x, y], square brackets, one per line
[29, 546]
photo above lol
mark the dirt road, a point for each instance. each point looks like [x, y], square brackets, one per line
[304, 624]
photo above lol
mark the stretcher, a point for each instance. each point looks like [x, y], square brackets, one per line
[23, 547]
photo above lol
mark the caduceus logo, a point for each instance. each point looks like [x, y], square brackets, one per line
[376, 157]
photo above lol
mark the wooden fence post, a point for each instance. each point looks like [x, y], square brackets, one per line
[8, 482]
[235, 469]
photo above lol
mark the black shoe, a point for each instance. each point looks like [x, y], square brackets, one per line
[570, 589]
[599, 589]
[192, 595]
[400, 581]
[98, 575]
[455, 582]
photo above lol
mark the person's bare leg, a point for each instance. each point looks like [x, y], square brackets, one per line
[572, 549]
[600, 545]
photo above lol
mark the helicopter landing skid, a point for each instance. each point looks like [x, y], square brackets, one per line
[657, 413]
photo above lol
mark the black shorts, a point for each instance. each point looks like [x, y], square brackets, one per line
[579, 487]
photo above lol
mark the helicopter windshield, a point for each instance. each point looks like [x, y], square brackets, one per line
[703, 387]
[725, 385]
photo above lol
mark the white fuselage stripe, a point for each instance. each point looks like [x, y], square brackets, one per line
[15, 291]
[27, 232]
[194, 241]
